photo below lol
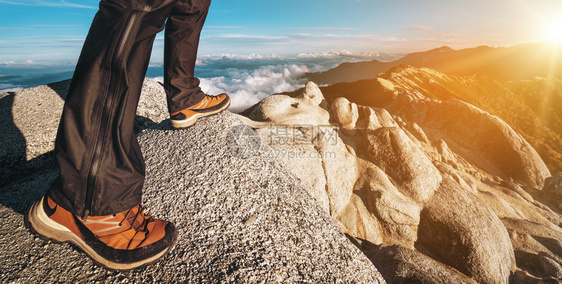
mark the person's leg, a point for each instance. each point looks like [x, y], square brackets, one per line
[101, 166]
[100, 162]
[186, 101]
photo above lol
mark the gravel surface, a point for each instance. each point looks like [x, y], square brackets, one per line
[242, 217]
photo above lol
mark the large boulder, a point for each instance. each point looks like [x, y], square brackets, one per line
[362, 197]
[358, 221]
[464, 232]
[300, 155]
[553, 188]
[401, 265]
[479, 137]
[308, 108]
[390, 149]
[294, 123]
[538, 248]
[398, 215]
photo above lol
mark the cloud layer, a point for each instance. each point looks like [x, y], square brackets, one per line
[246, 78]
[250, 78]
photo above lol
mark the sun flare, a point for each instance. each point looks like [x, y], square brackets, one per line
[553, 31]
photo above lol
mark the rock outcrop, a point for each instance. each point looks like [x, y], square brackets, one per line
[431, 191]
[439, 181]
[553, 188]
[464, 232]
[241, 218]
[531, 106]
[401, 265]
[482, 139]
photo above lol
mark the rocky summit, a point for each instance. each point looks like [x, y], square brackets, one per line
[432, 191]
[241, 218]
[305, 189]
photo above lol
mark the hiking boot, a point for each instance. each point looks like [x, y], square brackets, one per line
[208, 106]
[122, 241]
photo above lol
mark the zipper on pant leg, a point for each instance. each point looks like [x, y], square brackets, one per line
[110, 98]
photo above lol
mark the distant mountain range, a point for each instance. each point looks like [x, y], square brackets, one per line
[525, 61]
[520, 84]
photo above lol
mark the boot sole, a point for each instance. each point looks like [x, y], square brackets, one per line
[185, 123]
[38, 223]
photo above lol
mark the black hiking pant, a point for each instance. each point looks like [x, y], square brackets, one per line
[101, 166]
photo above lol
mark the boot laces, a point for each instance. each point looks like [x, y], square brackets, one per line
[129, 217]
[138, 227]
[210, 99]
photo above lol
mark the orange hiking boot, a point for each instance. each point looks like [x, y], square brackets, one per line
[122, 241]
[208, 106]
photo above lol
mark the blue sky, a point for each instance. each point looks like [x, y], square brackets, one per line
[54, 30]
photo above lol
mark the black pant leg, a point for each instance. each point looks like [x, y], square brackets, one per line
[181, 42]
[100, 162]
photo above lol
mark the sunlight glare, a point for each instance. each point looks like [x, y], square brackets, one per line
[553, 31]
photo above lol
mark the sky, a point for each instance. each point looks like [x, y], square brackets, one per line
[54, 30]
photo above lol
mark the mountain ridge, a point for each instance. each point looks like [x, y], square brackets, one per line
[523, 61]
[502, 80]
[439, 181]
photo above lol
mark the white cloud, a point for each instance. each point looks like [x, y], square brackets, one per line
[223, 27]
[381, 56]
[320, 28]
[8, 88]
[288, 43]
[448, 35]
[55, 37]
[247, 88]
[419, 28]
[33, 64]
[245, 36]
[47, 3]
[205, 59]
[53, 25]
[343, 38]
[252, 77]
